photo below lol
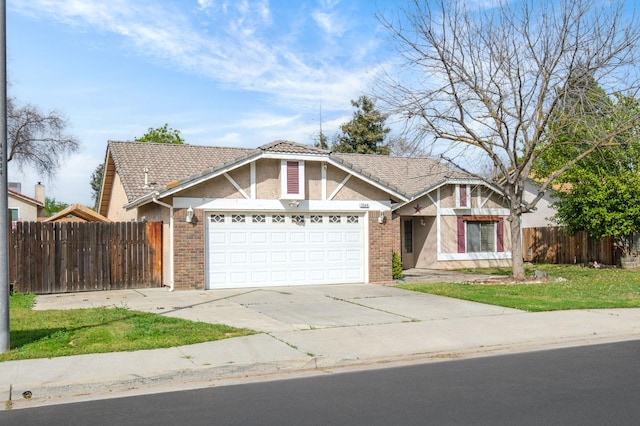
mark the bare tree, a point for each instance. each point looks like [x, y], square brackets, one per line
[37, 139]
[484, 83]
[401, 147]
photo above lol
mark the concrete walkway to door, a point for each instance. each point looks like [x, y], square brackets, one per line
[304, 330]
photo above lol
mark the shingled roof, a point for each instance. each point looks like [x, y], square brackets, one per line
[409, 175]
[165, 163]
[169, 164]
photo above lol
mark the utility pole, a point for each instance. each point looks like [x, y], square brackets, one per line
[4, 203]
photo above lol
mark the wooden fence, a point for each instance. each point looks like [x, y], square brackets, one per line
[554, 245]
[64, 257]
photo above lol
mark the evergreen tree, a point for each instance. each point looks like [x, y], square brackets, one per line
[366, 131]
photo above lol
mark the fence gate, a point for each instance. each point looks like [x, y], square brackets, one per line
[63, 257]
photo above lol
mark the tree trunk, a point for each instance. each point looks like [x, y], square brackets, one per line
[517, 259]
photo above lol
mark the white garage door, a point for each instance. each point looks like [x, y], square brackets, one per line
[277, 249]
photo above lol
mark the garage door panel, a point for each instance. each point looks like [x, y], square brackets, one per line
[284, 250]
[238, 237]
[353, 255]
[278, 237]
[298, 275]
[238, 258]
[259, 237]
[218, 259]
[317, 256]
[218, 278]
[279, 276]
[334, 237]
[334, 255]
[352, 237]
[260, 277]
[335, 274]
[218, 238]
[278, 256]
[298, 256]
[352, 273]
[298, 237]
[259, 257]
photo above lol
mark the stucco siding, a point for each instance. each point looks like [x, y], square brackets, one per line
[423, 204]
[27, 212]
[268, 179]
[448, 196]
[543, 214]
[313, 171]
[218, 187]
[356, 189]
[116, 211]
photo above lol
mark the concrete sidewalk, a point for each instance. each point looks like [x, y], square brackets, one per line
[307, 330]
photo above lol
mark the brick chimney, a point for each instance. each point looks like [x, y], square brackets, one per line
[39, 192]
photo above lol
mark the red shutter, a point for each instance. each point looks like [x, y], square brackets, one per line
[463, 195]
[461, 236]
[500, 235]
[293, 177]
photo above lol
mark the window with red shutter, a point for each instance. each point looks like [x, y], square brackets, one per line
[293, 177]
[461, 236]
[463, 195]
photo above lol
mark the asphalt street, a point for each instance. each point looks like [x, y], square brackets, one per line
[588, 385]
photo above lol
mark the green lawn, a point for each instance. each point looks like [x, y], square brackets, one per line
[579, 288]
[54, 333]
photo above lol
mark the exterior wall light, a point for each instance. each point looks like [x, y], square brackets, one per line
[189, 216]
[381, 217]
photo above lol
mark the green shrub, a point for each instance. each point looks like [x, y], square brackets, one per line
[397, 266]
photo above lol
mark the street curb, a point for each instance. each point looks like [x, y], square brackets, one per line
[202, 377]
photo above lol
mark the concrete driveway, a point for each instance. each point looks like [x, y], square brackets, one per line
[305, 329]
[284, 308]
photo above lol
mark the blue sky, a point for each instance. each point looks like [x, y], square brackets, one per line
[225, 73]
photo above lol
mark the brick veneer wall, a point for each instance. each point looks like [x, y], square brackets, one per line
[188, 254]
[380, 248]
[397, 237]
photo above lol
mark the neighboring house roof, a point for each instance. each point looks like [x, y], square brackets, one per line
[174, 166]
[25, 198]
[77, 212]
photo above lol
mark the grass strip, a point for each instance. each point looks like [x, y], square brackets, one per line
[55, 333]
[568, 287]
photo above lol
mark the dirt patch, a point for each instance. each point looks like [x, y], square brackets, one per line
[511, 281]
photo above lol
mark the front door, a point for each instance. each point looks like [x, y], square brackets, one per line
[408, 260]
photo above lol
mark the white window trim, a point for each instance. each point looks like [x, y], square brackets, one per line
[466, 238]
[11, 216]
[283, 181]
[467, 196]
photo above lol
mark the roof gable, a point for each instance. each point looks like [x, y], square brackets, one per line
[410, 175]
[25, 198]
[150, 168]
[78, 211]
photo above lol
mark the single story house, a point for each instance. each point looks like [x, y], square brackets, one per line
[23, 208]
[289, 214]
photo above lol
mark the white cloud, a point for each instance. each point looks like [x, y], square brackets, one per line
[330, 23]
[232, 49]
